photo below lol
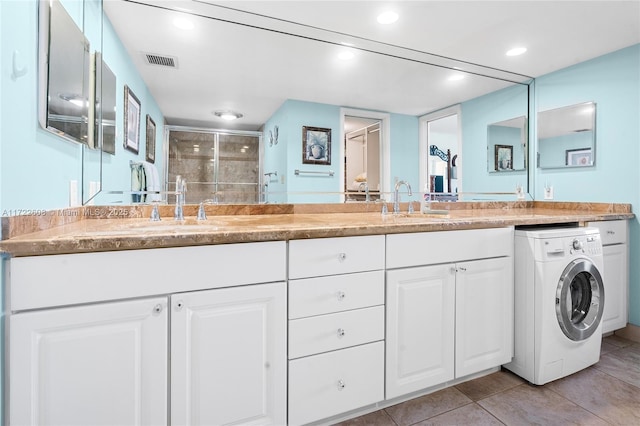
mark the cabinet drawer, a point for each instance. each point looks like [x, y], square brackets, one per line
[332, 256]
[611, 231]
[324, 295]
[324, 385]
[308, 336]
[430, 248]
[67, 279]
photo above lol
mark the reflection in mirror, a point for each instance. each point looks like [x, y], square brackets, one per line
[362, 158]
[289, 94]
[64, 62]
[444, 149]
[507, 145]
[107, 108]
[566, 136]
[219, 166]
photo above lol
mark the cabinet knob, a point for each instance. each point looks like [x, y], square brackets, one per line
[342, 257]
[341, 296]
[179, 305]
[341, 384]
[340, 332]
[158, 308]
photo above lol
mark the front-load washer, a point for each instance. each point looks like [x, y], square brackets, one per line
[559, 300]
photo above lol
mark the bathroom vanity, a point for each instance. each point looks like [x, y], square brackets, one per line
[289, 318]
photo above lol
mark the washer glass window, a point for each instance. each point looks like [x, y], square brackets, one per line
[580, 299]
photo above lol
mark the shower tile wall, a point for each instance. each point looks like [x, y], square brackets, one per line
[230, 175]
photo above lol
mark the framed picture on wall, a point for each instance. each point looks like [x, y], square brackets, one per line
[503, 157]
[578, 157]
[131, 121]
[150, 155]
[316, 145]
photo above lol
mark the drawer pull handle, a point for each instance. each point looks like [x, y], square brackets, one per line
[340, 332]
[342, 257]
[341, 296]
[341, 384]
[611, 232]
[462, 269]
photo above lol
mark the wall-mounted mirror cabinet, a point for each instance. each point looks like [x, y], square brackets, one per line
[507, 145]
[64, 74]
[567, 137]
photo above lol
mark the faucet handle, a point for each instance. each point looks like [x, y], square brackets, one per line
[155, 214]
[385, 209]
[410, 210]
[202, 215]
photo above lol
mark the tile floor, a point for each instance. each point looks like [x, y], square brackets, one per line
[607, 393]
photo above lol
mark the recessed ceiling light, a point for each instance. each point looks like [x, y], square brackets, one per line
[227, 115]
[345, 55]
[388, 17]
[456, 77]
[516, 51]
[183, 24]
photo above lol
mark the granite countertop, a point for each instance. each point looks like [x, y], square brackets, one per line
[81, 233]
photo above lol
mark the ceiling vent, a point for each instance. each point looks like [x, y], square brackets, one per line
[161, 60]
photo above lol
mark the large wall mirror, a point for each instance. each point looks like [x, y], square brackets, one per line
[566, 136]
[239, 60]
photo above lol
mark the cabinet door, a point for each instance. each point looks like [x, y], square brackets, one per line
[420, 327]
[103, 364]
[228, 356]
[616, 283]
[484, 314]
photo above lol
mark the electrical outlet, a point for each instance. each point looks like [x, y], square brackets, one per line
[73, 193]
[548, 192]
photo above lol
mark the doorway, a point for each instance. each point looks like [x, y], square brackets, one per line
[440, 153]
[365, 154]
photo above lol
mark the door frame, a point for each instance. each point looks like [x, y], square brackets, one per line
[385, 147]
[423, 135]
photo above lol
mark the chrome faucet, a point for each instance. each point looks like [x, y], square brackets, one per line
[363, 185]
[181, 189]
[396, 194]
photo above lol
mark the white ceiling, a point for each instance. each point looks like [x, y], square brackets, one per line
[229, 66]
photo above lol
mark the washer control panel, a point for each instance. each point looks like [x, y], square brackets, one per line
[586, 244]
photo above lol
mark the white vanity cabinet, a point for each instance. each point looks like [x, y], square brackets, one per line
[198, 314]
[449, 306]
[615, 251]
[97, 364]
[228, 356]
[336, 326]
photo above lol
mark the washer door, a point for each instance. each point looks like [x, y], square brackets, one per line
[580, 299]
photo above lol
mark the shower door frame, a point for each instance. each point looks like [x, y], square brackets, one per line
[216, 133]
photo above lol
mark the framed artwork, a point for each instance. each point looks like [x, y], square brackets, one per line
[131, 121]
[503, 157]
[150, 155]
[579, 157]
[316, 145]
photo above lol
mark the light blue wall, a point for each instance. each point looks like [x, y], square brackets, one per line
[405, 152]
[36, 165]
[476, 115]
[292, 116]
[613, 82]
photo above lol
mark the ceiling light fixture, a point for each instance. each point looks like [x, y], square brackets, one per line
[183, 24]
[227, 115]
[388, 17]
[76, 100]
[516, 51]
[346, 55]
[456, 77]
